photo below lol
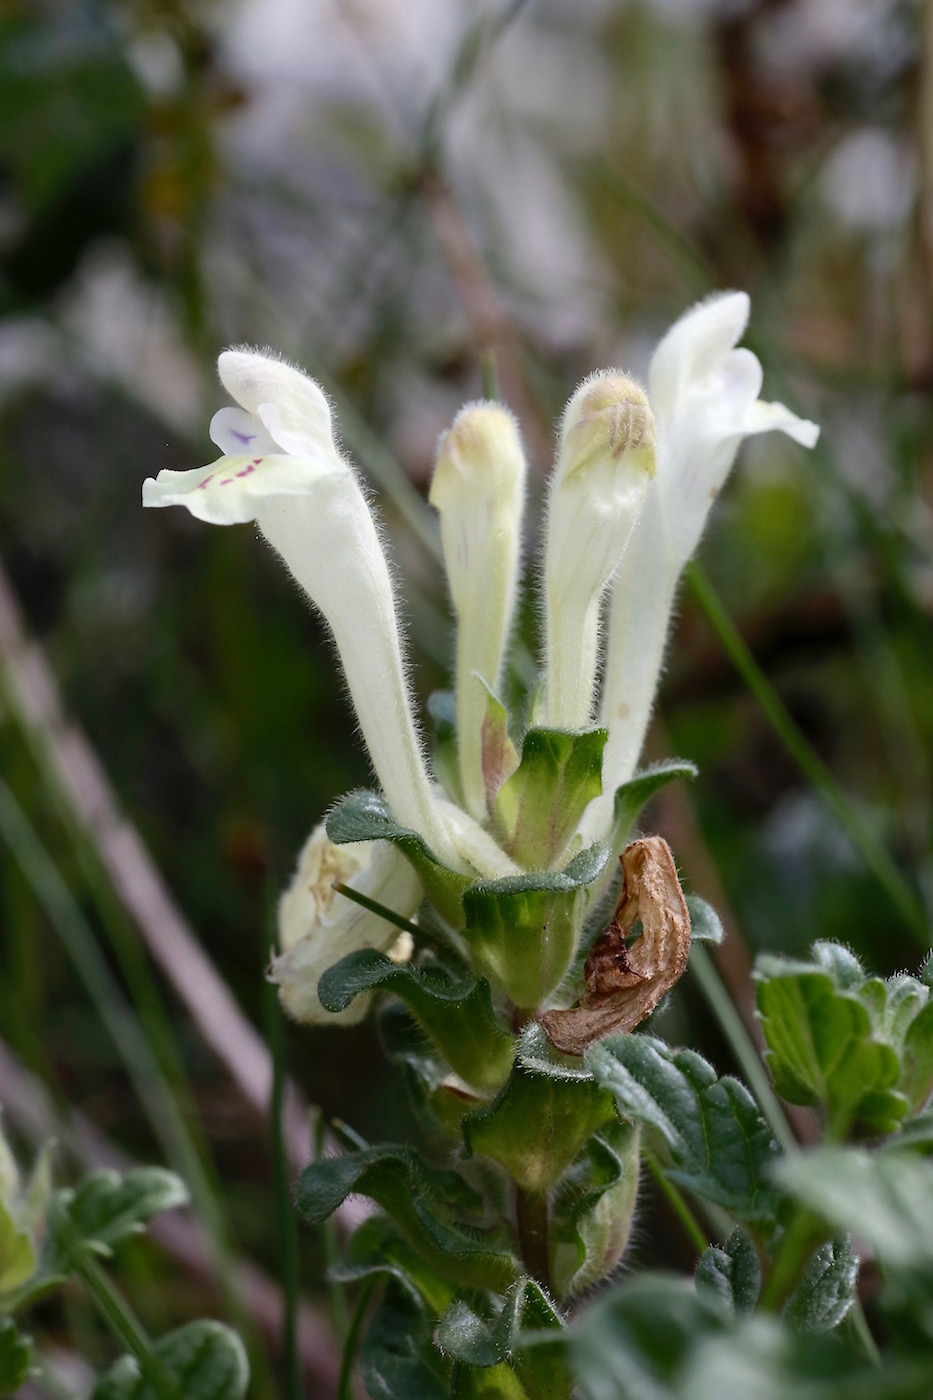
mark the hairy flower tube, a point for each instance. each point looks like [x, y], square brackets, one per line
[704, 394]
[478, 488]
[605, 461]
[282, 469]
[510, 841]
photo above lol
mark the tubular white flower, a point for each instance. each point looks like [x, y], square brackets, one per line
[704, 393]
[318, 926]
[478, 488]
[309, 506]
[605, 461]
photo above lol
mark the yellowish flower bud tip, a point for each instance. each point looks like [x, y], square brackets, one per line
[481, 444]
[609, 413]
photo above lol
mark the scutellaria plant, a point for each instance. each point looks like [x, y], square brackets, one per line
[491, 900]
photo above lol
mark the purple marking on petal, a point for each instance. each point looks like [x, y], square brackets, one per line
[204, 483]
[227, 482]
[246, 470]
[244, 437]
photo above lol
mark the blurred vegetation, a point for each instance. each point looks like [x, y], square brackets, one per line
[385, 190]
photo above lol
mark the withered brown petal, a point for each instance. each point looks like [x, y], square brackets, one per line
[624, 985]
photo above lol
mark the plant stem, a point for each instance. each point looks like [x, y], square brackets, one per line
[678, 1205]
[859, 1325]
[799, 1238]
[122, 1322]
[720, 1003]
[345, 1383]
[531, 1219]
[288, 1236]
[808, 761]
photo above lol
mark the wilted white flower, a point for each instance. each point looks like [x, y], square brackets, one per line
[318, 926]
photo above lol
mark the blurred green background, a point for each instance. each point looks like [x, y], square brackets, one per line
[385, 190]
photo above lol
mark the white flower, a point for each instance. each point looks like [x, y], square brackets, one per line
[309, 506]
[318, 926]
[605, 460]
[704, 393]
[478, 488]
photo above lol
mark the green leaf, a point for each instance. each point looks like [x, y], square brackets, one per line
[106, 1207]
[458, 1016]
[710, 1130]
[539, 807]
[823, 1050]
[883, 1198]
[15, 1357]
[398, 1359]
[634, 1343]
[541, 1118]
[731, 1273]
[827, 1290]
[377, 1248]
[916, 1081]
[705, 923]
[592, 1214]
[526, 1312]
[652, 1338]
[633, 795]
[420, 1200]
[522, 931]
[364, 816]
[204, 1359]
[18, 1259]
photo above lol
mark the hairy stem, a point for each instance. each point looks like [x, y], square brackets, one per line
[531, 1219]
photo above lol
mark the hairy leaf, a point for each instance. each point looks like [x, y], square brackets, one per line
[823, 1050]
[106, 1207]
[364, 816]
[419, 1199]
[398, 1359]
[883, 1198]
[827, 1290]
[633, 795]
[458, 1016]
[204, 1359]
[709, 1129]
[731, 1273]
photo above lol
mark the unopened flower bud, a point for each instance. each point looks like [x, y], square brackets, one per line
[604, 464]
[478, 488]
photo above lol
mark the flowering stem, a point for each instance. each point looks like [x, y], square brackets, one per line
[288, 1237]
[811, 765]
[531, 1219]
